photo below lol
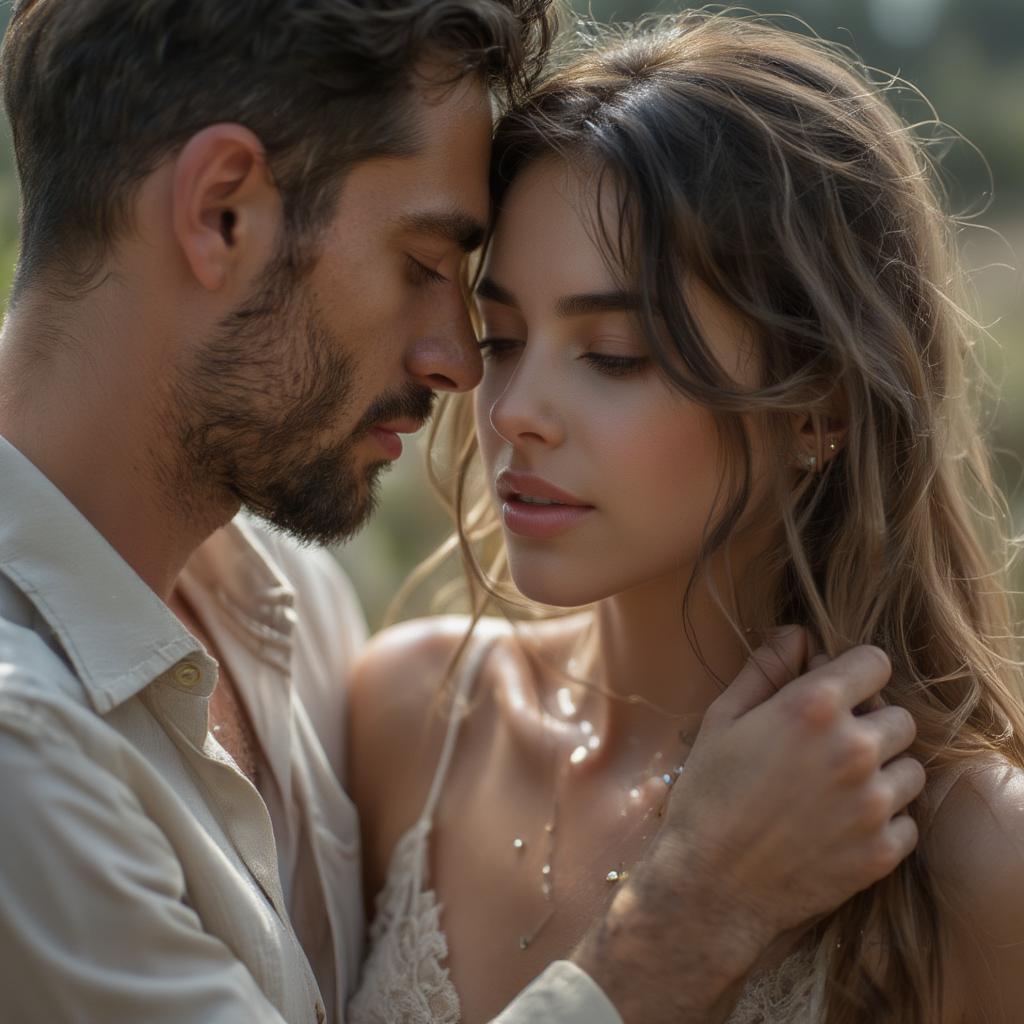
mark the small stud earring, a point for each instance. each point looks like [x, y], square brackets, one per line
[831, 444]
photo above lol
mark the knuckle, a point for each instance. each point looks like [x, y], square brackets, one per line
[874, 808]
[859, 755]
[816, 707]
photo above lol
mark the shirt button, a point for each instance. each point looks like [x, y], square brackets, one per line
[187, 674]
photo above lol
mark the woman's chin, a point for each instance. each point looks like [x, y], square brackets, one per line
[557, 590]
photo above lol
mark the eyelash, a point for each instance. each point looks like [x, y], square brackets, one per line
[423, 274]
[495, 348]
[617, 366]
[611, 366]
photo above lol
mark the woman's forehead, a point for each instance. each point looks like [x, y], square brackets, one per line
[551, 229]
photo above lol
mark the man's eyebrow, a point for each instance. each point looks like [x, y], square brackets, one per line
[454, 226]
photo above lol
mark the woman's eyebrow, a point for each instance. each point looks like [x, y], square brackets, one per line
[569, 305]
[597, 302]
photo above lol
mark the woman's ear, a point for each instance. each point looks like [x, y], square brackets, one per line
[817, 439]
[226, 209]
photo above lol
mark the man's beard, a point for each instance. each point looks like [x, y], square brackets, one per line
[253, 403]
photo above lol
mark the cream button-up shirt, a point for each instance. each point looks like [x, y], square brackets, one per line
[142, 877]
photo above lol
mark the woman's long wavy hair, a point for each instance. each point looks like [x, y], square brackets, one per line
[768, 166]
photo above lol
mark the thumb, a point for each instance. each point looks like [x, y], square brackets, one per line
[770, 667]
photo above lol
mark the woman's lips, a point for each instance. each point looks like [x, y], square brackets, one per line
[539, 522]
[552, 512]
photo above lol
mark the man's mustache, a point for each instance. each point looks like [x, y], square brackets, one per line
[413, 402]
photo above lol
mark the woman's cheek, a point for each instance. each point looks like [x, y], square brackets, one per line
[666, 465]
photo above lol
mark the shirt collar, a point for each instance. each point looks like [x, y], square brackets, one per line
[246, 603]
[235, 568]
[117, 633]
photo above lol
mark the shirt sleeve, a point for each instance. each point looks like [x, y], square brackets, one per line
[94, 923]
[563, 993]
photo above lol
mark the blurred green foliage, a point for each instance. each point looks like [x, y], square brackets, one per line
[967, 56]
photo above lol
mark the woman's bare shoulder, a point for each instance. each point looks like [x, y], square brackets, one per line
[978, 830]
[411, 655]
[974, 849]
[417, 655]
[398, 681]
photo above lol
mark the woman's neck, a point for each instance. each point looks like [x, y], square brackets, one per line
[660, 667]
[618, 686]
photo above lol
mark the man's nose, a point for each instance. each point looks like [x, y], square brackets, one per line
[448, 358]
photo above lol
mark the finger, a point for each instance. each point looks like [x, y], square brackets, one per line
[893, 728]
[901, 836]
[905, 779]
[858, 674]
[770, 667]
[817, 661]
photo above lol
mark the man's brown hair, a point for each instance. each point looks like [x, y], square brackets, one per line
[99, 92]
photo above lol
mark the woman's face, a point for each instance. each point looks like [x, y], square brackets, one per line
[572, 409]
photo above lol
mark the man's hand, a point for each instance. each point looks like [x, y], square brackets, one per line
[790, 803]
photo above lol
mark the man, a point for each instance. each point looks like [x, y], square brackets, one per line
[242, 230]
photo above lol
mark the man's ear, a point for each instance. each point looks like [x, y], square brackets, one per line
[226, 209]
[818, 439]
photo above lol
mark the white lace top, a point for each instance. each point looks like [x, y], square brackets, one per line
[405, 980]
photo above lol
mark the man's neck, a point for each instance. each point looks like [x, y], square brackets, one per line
[88, 417]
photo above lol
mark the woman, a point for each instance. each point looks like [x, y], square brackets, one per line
[725, 390]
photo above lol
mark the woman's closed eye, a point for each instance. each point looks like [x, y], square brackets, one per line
[616, 365]
[494, 348]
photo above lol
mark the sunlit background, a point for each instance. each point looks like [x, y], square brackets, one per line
[968, 58]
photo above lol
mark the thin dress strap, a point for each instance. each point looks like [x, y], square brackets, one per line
[460, 706]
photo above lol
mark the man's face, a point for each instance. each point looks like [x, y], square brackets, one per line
[295, 403]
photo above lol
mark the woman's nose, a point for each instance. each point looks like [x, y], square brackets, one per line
[525, 412]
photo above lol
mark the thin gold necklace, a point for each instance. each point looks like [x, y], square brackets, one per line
[614, 875]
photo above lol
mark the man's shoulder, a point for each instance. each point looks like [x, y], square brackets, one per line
[30, 669]
[44, 711]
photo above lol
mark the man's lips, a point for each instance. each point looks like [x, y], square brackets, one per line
[386, 435]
